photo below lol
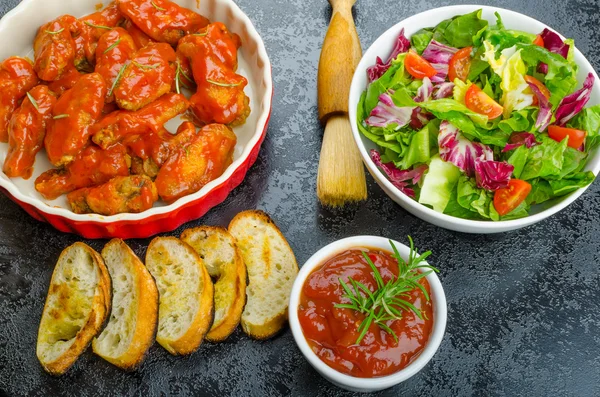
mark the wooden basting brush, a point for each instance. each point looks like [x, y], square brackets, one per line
[341, 176]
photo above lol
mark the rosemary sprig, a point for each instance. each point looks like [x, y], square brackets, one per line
[178, 81]
[54, 32]
[60, 116]
[116, 43]
[33, 102]
[157, 7]
[139, 65]
[97, 26]
[223, 84]
[114, 84]
[387, 301]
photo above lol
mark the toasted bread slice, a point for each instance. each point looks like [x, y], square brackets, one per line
[185, 311]
[77, 305]
[272, 269]
[223, 261]
[131, 327]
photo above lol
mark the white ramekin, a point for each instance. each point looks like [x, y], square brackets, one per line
[348, 382]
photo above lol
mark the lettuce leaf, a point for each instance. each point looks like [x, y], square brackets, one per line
[469, 201]
[465, 30]
[518, 159]
[419, 150]
[421, 39]
[519, 121]
[396, 76]
[564, 186]
[561, 78]
[545, 159]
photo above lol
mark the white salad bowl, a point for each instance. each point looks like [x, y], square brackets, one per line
[382, 46]
[352, 383]
[20, 26]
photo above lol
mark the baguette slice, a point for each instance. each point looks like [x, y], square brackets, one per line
[132, 325]
[223, 261]
[185, 289]
[272, 269]
[76, 308]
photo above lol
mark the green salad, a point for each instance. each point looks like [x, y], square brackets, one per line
[478, 121]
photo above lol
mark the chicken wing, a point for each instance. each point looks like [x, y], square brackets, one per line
[147, 77]
[150, 151]
[140, 38]
[54, 49]
[74, 113]
[196, 163]
[214, 39]
[66, 81]
[135, 193]
[220, 93]
[115, 49]
[162, 20]
[117, 125]
[26, 132]
[86, 32]
[17, 77]
[91, 167]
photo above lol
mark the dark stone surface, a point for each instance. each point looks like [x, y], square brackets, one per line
[523, 306]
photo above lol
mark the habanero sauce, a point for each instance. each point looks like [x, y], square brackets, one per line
[332, 332]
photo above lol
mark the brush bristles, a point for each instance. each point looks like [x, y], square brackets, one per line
[341, 175]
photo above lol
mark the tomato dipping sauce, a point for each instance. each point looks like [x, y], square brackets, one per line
[332, 332]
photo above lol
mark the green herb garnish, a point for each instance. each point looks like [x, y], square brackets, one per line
[223, 84]
[178, 81]
[386, 302]
[60, 116]
[157, 7]
[55, 32]
[33, 101]
[114, 84]
[200, 34]
[97, 26]
[139, 65]
[112, 46]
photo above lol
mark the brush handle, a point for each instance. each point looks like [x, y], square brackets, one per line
[340, 54]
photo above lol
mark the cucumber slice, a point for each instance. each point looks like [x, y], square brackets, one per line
[438, 184]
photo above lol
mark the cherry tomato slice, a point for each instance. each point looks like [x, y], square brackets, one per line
[509, 198]
[576, 137]
[480, 102]
[459, 65]
[545, 91]
[538, 41]
[418, 67]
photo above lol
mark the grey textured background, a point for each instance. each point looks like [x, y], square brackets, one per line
[523, 306]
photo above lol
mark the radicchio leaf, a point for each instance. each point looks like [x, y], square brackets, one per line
[460, 151]
[386, 112]
[443, 90]
[519, 139]
[572, 104]
[439, 56]
[553, 43]
[419, 118]
[424, 92]
[545, 113]
[493, 175]
[376, 71]
[402, 179]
